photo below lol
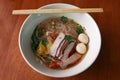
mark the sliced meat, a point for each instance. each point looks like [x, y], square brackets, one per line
[64, 46]
[50, 39]
[51, 36]
[67, 51]
[62, 49]
[60, 56]
[59, 48]
[48, 36]
[57, 42]
[70, 60]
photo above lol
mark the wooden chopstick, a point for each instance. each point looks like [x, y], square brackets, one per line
[69, 10]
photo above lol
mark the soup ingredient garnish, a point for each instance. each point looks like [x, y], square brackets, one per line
[53, 24]
[68, 38]
[81, 48]
[53, 64]
[61, 46]
[43, 41]
[79, 29]
[62, 49]
[49, 46]
[72, 59]
[67, 50]
[49, 36]
[83, 38]
[46, 60]
[41, 49]
[56, 44]
[64, 19]
[35, 39]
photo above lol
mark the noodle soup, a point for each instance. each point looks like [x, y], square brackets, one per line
[59, 42]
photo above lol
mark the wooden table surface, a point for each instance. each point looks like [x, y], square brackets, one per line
[107, 65]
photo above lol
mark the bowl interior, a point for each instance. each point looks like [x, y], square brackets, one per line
[82, 18]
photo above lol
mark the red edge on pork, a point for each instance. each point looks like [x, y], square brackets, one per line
[72, 59]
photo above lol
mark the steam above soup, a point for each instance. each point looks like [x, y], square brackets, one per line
[59, 42]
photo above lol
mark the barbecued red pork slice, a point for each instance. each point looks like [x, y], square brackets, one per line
[67, 51]
[51, 36]
[70, 60]
[60, 56]
[62, 49]
[59, 48]
[57, 42]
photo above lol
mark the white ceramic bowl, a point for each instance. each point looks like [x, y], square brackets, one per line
[82, 18]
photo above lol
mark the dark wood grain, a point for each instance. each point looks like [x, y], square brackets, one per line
[107, 65]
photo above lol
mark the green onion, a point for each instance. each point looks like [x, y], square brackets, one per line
[53, 24]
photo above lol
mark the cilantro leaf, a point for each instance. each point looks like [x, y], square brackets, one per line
[64, 19]
[68, 38]
[79, 30]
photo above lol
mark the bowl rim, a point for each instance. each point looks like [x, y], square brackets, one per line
[19, 42]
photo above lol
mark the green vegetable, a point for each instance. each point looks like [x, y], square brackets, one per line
[79, 30]
[64, 19]
[36, 39]
[68, 38]
[44, 41]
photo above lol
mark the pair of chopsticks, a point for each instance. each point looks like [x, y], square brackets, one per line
[69, 10]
